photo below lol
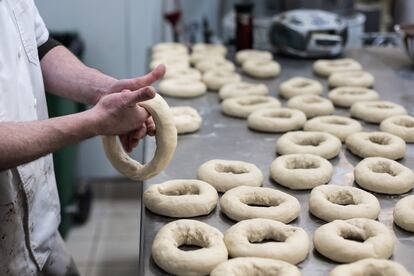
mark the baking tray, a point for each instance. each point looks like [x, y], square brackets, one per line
[222, 137]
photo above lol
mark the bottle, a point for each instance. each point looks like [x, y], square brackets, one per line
[244, 25]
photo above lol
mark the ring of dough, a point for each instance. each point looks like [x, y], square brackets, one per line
[209, 48]
[400, 125]
[311, 105]
[259, 68]
[240, 89]
[170, 63]
[163, 55]
[227, 174]
[243, 55]
[166, 141]
[376, 144]
[182, 88]
[170, 47]
[347, 241]
[255, 266]
[197, 57]
[215, 64]
[289, 243]
[370, 266]
[351, 78]
[215, 79]
[331, 202]
[181, 198]
[186, 119]
[314, 142]
[404, 213]
[376, 111]
[185, 73]
[301, 171]
[340, 126]
[242, 107]
[167, 254]
[385, 176]
[267, 203]
[300, 86]
[325, 67]
[280, 119]
[346, 96]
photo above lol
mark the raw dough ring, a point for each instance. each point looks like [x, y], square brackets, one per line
[376, 111]
[227, 174]
[325, 67]
[181, 198]
[259, 68]
[311, 105]
[371, 266]
[185, 73]
[385, 176]
[182, 88]
[166, 141]
[240, 89]
[376, 144]
[292, 243]
[268, 203]
[279, 119]
[331, 202]
[300, 86]
[215, 64]
[255, 266]
[401, 125]
[215, 79]
[242, 107]
[340, 126]
[197, 57]
[346, 241]
[404, 213]
[170, 47]
[301, 171]
[167, 254]
[209, 48]
[346, 96]
[186, 119]
[171, 63]
[314, 142]
[243, 55]
[351, 78]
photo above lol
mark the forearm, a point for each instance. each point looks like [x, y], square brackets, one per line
[22, 142]
[66, 76]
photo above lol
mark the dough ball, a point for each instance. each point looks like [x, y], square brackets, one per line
[279, 119]
[259, 68]
[376, 111]
[351, 78]
[182, 88]
[325, 67]
[241, 89]
[400, 125]
[300, 86]
[340, 126]
[243, 55]
[311, 105]
[186, 119]
[215, 64]
[242, 107]
[215, 79]
[346, 96]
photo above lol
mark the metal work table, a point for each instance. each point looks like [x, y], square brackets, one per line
[222, 137]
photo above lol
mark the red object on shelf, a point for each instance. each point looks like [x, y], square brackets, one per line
[244, 26]
[173, 18]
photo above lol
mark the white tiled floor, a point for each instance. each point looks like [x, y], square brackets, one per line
[108, 243]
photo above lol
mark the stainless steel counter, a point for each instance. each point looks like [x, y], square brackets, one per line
[229, 138]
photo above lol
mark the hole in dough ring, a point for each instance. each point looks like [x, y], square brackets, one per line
[259, 68]
[404, 213]
[244, 240]
[182, 88]
[346, 96]
[166, 141]
[255, 266]
[215, 79]
[347, 241]
[401, 125]
[276, 119]
[181, 198]
[167, 254]
[186, 119]
[267, 203]
[227, 174]
[213, 64]
[385, 176]
[370, 266]
[314, 142]
[340, 126]
[376, 111]
[242, 107]
[376, 144]
[300, 86]
[331, 202]
[301, 171]
[311, 105]
[351, 78]
[325, 67]
[240, 89]
[243, 55]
